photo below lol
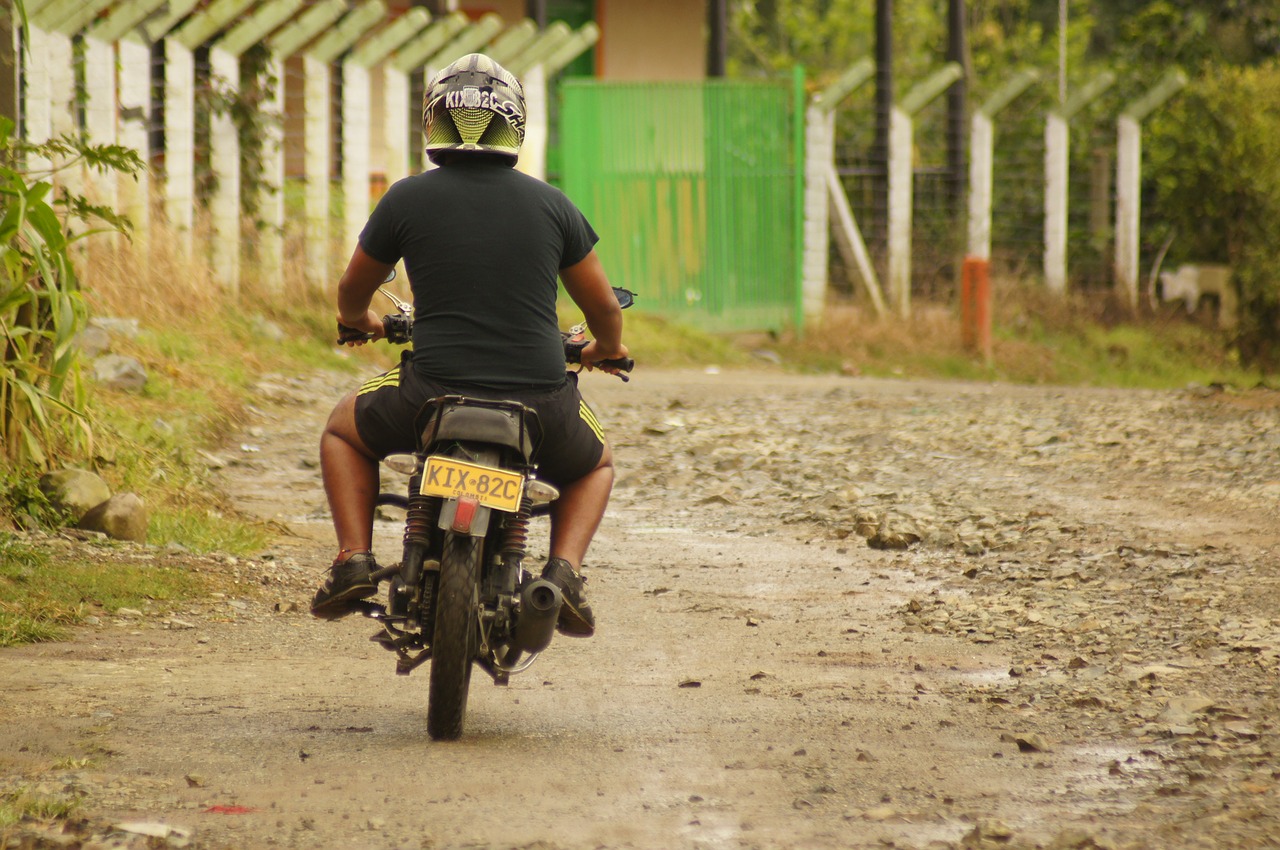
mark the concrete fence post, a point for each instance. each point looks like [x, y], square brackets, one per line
[1129, 181]
[130, 105]
[1057, 157]
[901, 154]
[317, 117]
[282, 45]
[826, 206]
[399, 113]
[975, 289]
[226, 207]
[359, 71]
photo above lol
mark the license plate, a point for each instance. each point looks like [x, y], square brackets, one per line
[454, 479]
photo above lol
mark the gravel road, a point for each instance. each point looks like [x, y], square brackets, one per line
[834, 613]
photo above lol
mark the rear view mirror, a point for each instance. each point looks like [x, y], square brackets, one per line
[625, 297]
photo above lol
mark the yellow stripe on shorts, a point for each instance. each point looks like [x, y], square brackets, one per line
[590, 418]
[386, 379]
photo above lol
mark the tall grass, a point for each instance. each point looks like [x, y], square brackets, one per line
[41, 311]
[1038, 338]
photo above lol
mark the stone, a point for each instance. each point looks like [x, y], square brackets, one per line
[74, 491]
[127, 328]
[119, 372]
[93, 342]
[121, 517]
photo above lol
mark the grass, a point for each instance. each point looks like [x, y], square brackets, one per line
[1037, 339]
[24, 804]
[40, 599]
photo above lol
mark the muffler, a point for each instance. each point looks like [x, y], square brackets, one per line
[539, 609]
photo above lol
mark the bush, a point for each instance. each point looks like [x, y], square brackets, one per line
[1216, 150]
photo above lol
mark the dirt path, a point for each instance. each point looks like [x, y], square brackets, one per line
[1061, 635]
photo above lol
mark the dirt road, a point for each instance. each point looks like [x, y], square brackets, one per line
[834, 613]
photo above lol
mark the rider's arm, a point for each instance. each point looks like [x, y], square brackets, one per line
[359, 282]
[588, 286]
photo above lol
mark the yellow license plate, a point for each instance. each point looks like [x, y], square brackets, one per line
[455, 479]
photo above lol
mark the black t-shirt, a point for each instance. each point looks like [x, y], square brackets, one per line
[483, 245]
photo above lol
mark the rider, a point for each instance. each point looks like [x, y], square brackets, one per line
[483, 245]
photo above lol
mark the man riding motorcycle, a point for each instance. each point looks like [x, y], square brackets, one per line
[483, 245]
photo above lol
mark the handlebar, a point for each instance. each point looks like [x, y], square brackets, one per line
[398, 329]
[573, 345]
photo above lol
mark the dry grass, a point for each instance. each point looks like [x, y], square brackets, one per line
[1039, 338]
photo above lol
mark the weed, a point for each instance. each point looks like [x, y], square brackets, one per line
[73, 763]
[25, 804]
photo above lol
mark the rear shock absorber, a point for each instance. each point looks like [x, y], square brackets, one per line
[419, 525]
[515, 542]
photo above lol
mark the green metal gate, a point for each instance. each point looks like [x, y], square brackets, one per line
[696, 191]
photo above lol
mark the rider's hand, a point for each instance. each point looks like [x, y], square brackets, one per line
[593, 353]
[370, 324]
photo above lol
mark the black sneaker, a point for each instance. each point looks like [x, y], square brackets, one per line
[576, 619]
[348, 582]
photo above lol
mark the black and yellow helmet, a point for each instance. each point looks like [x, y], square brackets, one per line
[474, 106]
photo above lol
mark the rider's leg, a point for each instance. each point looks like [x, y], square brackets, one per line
[576, 515]
[350, 473]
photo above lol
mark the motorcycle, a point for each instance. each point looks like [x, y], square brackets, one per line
[460, 595]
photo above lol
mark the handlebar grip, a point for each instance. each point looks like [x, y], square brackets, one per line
[626, 364]
[346, 334]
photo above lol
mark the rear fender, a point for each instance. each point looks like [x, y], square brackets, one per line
[461, 519]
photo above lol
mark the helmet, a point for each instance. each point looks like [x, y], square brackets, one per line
[475, 106]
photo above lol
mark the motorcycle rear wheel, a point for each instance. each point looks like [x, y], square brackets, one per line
[454, 641]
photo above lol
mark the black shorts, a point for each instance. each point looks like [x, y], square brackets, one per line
[568, 438]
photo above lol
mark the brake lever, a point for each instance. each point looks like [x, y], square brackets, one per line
[403, 306]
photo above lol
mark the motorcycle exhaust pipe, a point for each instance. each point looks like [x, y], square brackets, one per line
[539, 609]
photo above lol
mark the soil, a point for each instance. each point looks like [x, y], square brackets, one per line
[834, 613]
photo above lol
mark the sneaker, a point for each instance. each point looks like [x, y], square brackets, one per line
[348, 582]
[576, 619]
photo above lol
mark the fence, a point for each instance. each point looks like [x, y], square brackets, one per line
[693, 188]
[1052, 190]
[705, 193]
[333, 92]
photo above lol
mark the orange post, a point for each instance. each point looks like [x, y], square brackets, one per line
[975, 306]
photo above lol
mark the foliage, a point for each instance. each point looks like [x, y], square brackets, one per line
[1216, 155]
[1193, 34]
[41, 309]
[245, 105]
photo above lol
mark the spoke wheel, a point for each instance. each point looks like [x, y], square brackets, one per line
[454, 639]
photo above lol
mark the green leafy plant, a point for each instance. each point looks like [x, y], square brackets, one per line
[1217, 154]
[41, 308]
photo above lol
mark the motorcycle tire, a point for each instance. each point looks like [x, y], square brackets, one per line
[455, 636]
